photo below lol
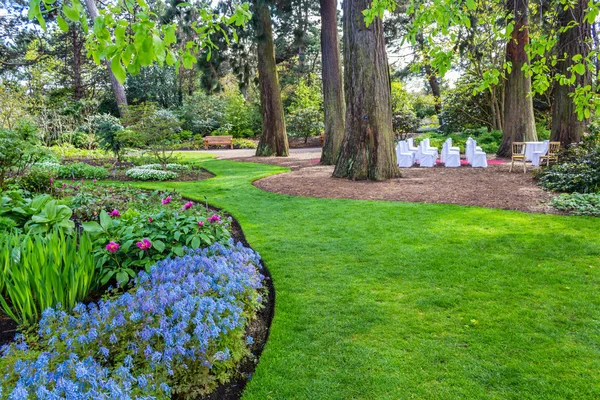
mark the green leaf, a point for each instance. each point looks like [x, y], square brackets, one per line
[471, 4]
[195, 242]
[62, 24]
[92, 227]
[159, 245]
[70, 13]
[579, 69]
[118, 69]
[122, 278]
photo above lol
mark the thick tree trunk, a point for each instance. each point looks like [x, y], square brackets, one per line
[117, 87]
[368, 148]
[519, 121]
[333, 85]
[566, 127]
[77, 43]
[273, 140]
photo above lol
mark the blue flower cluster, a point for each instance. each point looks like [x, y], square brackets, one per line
[188, 314]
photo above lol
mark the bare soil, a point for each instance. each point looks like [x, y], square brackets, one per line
[493, 187]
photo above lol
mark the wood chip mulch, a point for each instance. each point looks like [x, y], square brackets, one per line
[493, 187]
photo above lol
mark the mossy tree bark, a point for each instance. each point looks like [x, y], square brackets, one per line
[333, 86]
[519, 121]
[273, 140]
[566, 127]
[368, 147]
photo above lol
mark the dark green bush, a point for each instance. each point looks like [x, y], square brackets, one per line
[37, 180]
[81, 171]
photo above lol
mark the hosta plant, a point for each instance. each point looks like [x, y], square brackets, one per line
[168, 167]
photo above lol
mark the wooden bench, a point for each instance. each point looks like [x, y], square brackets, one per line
[218, 141]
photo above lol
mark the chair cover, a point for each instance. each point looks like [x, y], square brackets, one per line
[535, 157]
[405, 158]
[450, 155]
[428, 156]
[475, 155]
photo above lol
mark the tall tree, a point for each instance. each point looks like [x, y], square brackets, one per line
[519, 121]
[574, 39]
[333, 85]
[368, 148]
[117, 87]
[273, 140]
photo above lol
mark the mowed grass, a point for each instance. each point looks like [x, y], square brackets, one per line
[383, 300]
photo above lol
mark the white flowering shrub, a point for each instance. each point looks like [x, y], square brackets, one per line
[141, 174]
[169, 167]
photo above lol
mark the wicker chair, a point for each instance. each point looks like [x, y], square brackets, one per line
[553, 149]
[518, 153]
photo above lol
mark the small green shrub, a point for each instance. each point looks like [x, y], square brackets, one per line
[578, 204]
[42, 271]
[37, 180]
[140, 174]
[244, 144]
[40, 214]
[81, 171]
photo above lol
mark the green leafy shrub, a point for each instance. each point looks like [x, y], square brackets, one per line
[578, 203]
[81, 171]
[578, 169]
[66, 150]
[107, 128]
[140, 174]
[405, 121]
[167, 233]
[244, 144]
[42, 271]
[37, 180]
[17, 155]
[305, 122]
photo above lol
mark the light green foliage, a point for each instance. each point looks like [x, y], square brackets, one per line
[42, 270]
[40, 214]
[78, 170]
[404, 118]
[244, 144]
[154, 130]
[426, 301]
[131, 46]
[578, 203]
[423, 104]
[305, 112]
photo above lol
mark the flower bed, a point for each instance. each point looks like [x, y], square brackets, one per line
[141, 174]
[168, 167]
[180, 330]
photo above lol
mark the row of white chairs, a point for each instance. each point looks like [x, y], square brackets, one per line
[426, 156]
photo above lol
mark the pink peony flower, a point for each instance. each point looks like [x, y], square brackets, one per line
[166, 200]
[188, 205]
[145, 244]
[94, 181]
[150, 219]
[51, 180]
[214, 218]
[115, 213]
[200, 224]
[112, 247]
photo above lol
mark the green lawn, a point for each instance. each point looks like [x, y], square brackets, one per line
[382, 300]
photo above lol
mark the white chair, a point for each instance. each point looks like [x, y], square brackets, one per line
[535, 157]
[428, 156]
[406, 158]
[411, 145]
[429, 148]
[450, 155]
[475, 155]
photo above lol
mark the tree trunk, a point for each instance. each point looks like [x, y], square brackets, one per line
[77, 43]
[273, 140]
[333, 86]
[566, 127]
[435, 88]
[519, 121]
[368, 147]
[117, 87]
